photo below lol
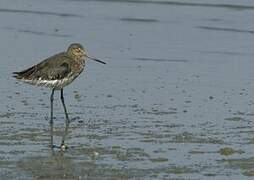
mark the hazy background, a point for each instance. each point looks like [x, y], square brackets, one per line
[175, 100]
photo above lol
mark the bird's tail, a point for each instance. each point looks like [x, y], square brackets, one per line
[24, 74]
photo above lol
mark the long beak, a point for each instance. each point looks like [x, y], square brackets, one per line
[95, 59]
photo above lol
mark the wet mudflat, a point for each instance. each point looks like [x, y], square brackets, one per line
[175, 100]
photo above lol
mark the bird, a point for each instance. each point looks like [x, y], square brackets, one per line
[56, 72]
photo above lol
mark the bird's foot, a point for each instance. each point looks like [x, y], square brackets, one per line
[64, 147]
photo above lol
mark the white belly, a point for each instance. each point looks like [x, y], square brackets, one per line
[53, 84]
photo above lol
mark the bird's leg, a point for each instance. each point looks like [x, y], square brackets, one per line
[51, 106]
[67, 121]
[65, 110]
[51, 118]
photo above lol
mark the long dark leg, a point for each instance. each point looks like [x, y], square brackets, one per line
[51, 118]
[65, 110]
[67, 121]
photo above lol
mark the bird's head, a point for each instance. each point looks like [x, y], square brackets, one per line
[77, 52]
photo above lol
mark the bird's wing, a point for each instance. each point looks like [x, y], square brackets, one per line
[57, 72]
[52, 68]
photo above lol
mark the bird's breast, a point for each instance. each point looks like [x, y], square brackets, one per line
[79, 66]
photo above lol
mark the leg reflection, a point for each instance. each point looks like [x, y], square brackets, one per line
[63, 145]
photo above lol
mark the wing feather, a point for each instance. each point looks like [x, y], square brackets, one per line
[54, 68]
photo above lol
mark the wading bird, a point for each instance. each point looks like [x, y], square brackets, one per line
[56, 72]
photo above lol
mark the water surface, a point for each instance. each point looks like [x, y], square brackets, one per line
[175, 100]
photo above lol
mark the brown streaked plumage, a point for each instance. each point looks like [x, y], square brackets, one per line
[56, 72]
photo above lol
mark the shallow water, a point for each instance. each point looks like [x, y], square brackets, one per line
[175, 100]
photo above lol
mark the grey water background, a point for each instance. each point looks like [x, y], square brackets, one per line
[175, 100]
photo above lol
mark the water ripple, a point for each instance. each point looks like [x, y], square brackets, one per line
[176, 3]
[139, 20]
[19, 11]
[40, 33]
[160, 59]
[226, 29]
